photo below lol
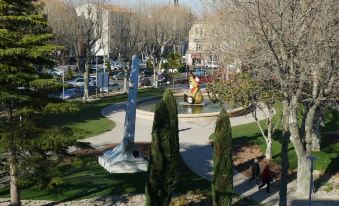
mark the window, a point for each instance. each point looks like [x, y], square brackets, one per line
[196, 30]
[199, 46]
[201, 31]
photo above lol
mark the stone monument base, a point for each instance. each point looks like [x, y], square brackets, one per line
[124, 158]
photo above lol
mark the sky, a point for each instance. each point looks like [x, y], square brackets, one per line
[195, 5]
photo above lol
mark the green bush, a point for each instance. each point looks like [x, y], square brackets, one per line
[164, 157]
[328, 187]
[222, 181]
[56, 182]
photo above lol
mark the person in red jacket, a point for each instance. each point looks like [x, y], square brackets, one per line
[266, 178]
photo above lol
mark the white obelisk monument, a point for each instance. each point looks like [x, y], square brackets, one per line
[126, 157]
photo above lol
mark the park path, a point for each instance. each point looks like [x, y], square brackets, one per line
[197, 152]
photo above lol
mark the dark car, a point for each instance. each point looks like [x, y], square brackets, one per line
[145, 82]
[164, 79]
[71, 93]
[146, 73]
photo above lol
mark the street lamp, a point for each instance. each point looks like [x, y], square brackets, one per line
[312, 159]
[59, 53]
[96, 76]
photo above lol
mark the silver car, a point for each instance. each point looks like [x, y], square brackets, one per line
[110, 88]
[80, 82]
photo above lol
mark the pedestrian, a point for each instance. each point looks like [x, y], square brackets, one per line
[255, 171]
[266, 179]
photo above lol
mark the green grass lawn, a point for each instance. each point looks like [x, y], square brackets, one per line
[88, 121]
[92, 181]
[328, 156]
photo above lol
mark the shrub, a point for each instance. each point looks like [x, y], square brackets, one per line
[164, 155]
[328, 187]
[222, 181]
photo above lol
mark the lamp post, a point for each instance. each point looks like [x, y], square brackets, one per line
[59, 53]
[96, 75]
[311, 158]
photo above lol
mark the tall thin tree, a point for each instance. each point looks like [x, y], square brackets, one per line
[222, 181]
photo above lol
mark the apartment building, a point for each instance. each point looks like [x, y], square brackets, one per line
[201, 52]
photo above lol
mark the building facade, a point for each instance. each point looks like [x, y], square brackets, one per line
[101, 16]
[202, 51]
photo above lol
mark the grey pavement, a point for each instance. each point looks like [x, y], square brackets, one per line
[196, 151]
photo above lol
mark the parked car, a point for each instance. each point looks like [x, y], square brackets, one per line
[80, 82]
[145, 82]
[68, 94]
[72, 93]
[55, 72]
[164, 79]
[119, 76]
[116, 65]
[110, 88]
[200, 72]
[146, 73]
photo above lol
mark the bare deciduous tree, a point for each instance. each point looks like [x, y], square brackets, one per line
[126, 36]
[78, 28]
[166, 26]
[295, 43]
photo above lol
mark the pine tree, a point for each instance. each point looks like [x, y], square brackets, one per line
[222, 181]
[24, 89]
[163, 164]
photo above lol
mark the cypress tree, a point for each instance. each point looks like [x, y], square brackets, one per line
[174, 154]
[24, 89]
[161, 169]
[222, 181]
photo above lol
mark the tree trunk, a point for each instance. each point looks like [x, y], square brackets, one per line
[77, 58]
[268, 153]
[303, 171]
[303, 175]
[284, 157]
[14, 188]
[314, 130]
[316, 138]
[316, 141]
[125, 78]
[86, 82]
[268, 137]
[160, 65]
[155, 73]
[309, 128]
